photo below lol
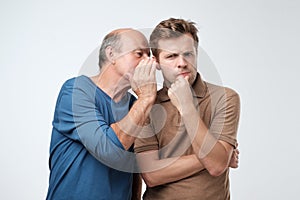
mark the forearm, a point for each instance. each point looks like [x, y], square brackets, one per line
[209, 150]
[171, 169]
[130, 126]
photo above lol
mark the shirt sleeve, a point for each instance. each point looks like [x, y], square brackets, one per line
[79, 119]
[147, 140]
[225, 121]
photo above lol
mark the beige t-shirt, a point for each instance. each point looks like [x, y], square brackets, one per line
[219, 108]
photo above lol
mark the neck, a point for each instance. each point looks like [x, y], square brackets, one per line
[111, 83]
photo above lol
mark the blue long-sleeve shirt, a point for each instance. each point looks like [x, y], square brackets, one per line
[87, 161]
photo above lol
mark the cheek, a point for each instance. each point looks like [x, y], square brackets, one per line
[167, 65]
[133, 62]
[169, 73]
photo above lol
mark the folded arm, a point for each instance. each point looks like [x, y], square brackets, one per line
[157, 171]
[215, 154]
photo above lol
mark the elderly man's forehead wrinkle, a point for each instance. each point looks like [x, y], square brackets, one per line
[133, 40]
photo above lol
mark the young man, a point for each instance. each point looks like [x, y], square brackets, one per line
[186, 149]
[96, 122]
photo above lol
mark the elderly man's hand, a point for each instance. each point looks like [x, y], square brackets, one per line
[143, 82]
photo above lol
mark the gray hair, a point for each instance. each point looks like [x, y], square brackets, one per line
[112, 39]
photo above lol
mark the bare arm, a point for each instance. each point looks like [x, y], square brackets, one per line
[214, 154]
[143, 84]
[157, 172]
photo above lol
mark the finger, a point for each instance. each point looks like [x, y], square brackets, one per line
[143, 66]
[148, 67]
[139, 70]
[187, 78]
[142, 62]
[143, 69]
[139, 66]
[172, 86]
[153, 70]
[183, 80]
[170, 92]
[179, 78]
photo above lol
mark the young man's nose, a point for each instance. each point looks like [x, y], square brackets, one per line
[181, 61]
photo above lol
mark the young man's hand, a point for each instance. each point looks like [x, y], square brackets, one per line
[180, 93]
[234, 161]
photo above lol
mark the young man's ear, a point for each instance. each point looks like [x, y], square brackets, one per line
[109, 51]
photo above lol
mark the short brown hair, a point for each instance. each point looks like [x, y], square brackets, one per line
[172, 28]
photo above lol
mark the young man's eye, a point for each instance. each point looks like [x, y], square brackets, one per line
[188, 54]
[170, 56]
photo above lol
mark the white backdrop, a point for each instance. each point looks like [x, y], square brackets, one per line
[253, 44]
